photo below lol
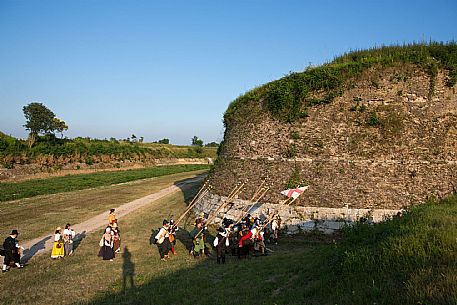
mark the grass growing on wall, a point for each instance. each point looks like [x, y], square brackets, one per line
[288, 98]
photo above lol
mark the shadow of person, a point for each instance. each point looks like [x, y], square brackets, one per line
[29, 253]
[78, 239]
[128, 270]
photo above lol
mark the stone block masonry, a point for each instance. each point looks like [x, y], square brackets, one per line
[295, 218]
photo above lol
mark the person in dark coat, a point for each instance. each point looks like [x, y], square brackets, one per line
[221, 242]
[11, 248]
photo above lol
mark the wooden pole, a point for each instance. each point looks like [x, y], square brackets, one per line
[201, 193]
[234, 193]
[254, 202]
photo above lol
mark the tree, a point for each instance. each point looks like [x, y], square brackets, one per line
[59, 125]
[197, 142]
[164, 141]
[39, 119]
[212, 144]
[133, 138]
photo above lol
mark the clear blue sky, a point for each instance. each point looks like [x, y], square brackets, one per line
[170, 68]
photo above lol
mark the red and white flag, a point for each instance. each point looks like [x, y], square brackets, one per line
[294, 193]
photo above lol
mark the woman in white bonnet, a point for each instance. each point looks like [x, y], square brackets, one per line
[106, 245]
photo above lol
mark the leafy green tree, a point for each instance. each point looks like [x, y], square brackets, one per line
[164, 141]
[197, 142]
[212, 144]
[60, 126]
[39, 119]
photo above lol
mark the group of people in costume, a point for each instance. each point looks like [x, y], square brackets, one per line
[110, 243]
[63, 242]
[241, 239]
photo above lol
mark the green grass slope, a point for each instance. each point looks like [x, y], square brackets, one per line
[409, 260]
[35, 187]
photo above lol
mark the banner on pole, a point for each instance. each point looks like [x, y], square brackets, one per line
[294, 193]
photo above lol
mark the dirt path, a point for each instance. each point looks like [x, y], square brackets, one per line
[44, 244]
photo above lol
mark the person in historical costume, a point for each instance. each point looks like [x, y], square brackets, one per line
[275, 227]
[221, 242]
[198, 238]
[68, 235]
[106, 245]
[257, 235]
[112, 218]
[172, 235]
[116, 238]
[12, 251]
[162, 240]
[245, 242]
[58, 248]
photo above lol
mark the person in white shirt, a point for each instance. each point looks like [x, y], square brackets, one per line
[68, 235]
[162, 240]
[221, 242]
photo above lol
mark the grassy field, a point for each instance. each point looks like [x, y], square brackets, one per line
[35, 187]
[40, 215]
[409, 260]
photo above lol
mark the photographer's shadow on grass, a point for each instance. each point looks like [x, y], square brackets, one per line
[128, 270]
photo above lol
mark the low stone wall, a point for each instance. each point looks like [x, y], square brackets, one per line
[294, 218]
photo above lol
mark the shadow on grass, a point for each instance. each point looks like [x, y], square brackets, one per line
[262, 280]
[78, 239]
[128, 270]
[29, 253]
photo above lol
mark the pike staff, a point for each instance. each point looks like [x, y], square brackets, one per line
[204, 190]
[259, 194]
[235, 192]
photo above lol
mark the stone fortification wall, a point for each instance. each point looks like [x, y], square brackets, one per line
[384, 144]
[295, 218]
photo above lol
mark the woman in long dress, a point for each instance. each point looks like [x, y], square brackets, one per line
[116, 239]
[106, 245]
[58, 249]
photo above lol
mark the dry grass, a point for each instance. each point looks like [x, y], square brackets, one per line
[36, 216]
[84, 275]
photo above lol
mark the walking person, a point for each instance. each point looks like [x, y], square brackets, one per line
[106, 246]
[68, 235]
[58, 249]
[221, 242]
[275, 227]
[116, 238]
[198, 238]
[162, 240]
[112, 217]
[172, 235]
[12, 251]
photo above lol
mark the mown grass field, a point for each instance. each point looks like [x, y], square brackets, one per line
[409, 260]
[40, 215]
[35, 187]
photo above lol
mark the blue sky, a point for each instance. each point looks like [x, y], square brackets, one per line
[169, 69]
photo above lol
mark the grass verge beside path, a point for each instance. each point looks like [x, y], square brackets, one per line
[409, 260]
[25, 189]
[37, 216]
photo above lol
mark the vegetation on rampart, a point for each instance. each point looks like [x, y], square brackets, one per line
[288, 98]
[89, 151]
